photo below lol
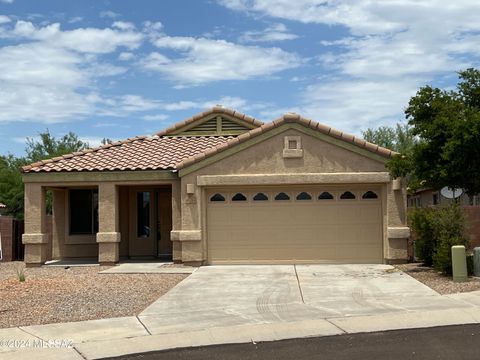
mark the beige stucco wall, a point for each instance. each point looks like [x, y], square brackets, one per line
[267, 158]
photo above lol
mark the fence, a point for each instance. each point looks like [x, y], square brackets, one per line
[11, 231]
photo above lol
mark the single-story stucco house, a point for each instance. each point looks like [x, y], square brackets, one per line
[221, 188]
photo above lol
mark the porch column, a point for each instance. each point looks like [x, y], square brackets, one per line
[108, 236]
[35, 237]
[176, 221]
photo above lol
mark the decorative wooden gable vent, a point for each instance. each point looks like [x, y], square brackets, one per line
[220, 125]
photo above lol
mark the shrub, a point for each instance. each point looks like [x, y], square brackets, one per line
[421, 222]
[437, 230]
[20, 271]
[449, 230]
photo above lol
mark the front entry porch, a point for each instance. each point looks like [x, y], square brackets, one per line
[106, 221]
[146, 222]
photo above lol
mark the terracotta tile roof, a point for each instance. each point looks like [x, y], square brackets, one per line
[140, 153]
[215, 110]
[289, 118]
[161, 152]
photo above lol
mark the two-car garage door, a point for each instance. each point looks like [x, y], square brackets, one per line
[293, 225]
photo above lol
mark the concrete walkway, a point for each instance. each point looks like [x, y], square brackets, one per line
[235, 304]
[149, 268]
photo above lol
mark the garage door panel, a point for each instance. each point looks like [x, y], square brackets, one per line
[294, 231]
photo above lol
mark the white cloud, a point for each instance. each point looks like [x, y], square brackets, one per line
[4, 19]
[41, 84]
[88, 40]
[393, 47]
[156, 117]
[7, 1]
[131, 103]
[232, 102]
[273, 33]
[106, 124]
[123, 25]
[356, 104]
[109, 14]
[125, 56]
[120, 106]
[75, 20]
[52, 73]
[201, 60]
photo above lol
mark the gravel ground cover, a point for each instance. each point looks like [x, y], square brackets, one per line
[57, 294]
[438, 282]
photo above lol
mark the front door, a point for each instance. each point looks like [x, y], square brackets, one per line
[142, 225]
[150, 222]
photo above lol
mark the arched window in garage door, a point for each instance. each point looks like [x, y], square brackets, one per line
[239, 197]
[370, 195]
[282, 196]
[347, 195]
[217, 197]
[304, 196]
[325, 196]
[260, 197]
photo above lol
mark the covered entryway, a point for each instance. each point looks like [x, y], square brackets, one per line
[146, 221]
[339, 224]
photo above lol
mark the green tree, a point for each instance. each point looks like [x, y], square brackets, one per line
[447, 123]
[383, 136]
[11, 185]
[48, 146]
[399, 138]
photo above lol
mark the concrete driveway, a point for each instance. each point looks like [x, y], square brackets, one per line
[217, 296]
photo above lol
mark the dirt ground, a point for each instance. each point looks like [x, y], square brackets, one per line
[438, 282]
[58, 294]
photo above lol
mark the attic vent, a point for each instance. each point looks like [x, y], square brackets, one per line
[231, 126]
[209, 127]
[217, 125]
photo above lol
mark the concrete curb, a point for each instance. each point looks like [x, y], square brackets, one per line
[213, 336]
[135, 340]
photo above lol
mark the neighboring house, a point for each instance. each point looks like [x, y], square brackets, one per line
[470, 205]
[3, 208]
[428, 197]
[222, 188]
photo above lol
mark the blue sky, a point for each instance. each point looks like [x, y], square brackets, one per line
[118, 69]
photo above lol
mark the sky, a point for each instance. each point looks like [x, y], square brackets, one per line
[117, 69]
